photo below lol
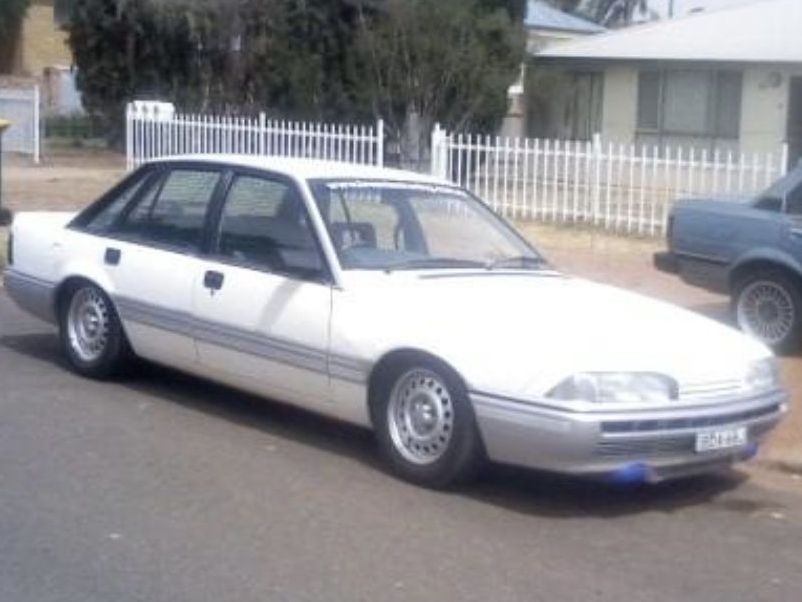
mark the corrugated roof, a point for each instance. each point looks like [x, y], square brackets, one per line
[767, 31]
[541, 15]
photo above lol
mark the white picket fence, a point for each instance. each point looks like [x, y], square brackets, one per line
[617, 187]
[155, 129]
[625, 188]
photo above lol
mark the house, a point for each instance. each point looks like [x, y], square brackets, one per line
[728, 80]
[41, 42]
[41, 56]
[545, 25]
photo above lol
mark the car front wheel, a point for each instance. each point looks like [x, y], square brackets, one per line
[426, 425]
[768, 306]
[91, 334]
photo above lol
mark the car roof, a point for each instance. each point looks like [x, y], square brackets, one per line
[308, 169]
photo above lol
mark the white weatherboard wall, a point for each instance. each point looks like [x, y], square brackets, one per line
[764, 108]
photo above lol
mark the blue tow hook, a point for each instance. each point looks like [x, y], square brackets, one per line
[631, 474]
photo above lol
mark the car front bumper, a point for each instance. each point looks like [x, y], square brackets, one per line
[34, 295]
[658, 444]
[667, 262]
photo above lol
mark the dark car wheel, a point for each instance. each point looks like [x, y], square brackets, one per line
[768, 306]
[426, 426]
[91, 334]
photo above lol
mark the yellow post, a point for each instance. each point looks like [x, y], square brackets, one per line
[4, 216]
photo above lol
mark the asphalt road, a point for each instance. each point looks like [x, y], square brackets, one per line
[162, 487]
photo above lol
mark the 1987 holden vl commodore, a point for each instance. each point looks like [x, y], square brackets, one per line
[397, 302]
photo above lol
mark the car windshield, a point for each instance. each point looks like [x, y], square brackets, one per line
[397, 226]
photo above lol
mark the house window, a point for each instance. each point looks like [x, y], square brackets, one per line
[691, 107]
[585, 107]
[61, 12]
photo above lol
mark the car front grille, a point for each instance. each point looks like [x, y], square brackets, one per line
[672, 424]
[702, 391]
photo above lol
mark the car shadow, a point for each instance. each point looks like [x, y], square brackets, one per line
[719, 311]
[518, 490]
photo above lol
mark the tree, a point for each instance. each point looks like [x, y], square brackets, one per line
[447, 61]
[123, 49]
[409, 61]
[617, 13]
[609, 13]
[11, 14]
[216, 55]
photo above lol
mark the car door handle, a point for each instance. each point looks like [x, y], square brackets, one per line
[213, 280]
[112, 256]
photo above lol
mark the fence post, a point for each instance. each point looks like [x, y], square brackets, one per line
[433, 150]
[784, 158]
[597, 151]
[380, 142]
[129, 142]
[261, 134]
[438, 152]
[37, 125]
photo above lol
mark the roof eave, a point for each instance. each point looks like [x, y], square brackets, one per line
[550, 60]
[585, 32]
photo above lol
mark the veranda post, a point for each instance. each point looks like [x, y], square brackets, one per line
[5, 215]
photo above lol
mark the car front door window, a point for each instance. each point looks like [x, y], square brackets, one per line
[793, 201]
[264, 225]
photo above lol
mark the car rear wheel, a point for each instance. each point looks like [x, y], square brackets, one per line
[91, 334]
[768, 306]
[426, 425]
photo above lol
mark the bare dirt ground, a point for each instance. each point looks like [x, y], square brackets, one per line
[70, 180]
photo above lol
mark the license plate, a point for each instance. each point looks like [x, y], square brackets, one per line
[721, 439]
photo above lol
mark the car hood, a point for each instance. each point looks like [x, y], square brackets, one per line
[523, 332]
[734, 205]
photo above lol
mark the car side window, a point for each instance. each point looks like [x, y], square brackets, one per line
[103, 219]
[173, 211]
[769, 203]
[264, 225]
[793, 202]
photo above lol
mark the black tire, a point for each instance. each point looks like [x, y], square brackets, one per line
[788, 301]
[461, 456]
[110, 356]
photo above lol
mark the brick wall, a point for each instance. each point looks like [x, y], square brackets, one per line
[42, 44]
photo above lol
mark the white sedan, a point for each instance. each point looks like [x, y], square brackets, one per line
[397, 302]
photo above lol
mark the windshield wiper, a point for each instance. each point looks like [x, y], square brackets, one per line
[521, 261]
[434, 263]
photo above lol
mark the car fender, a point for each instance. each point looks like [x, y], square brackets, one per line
[77, 268]
[766, 255]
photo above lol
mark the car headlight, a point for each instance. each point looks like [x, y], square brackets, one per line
[616, 387]
[763, 375]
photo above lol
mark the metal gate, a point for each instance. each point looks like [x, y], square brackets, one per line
[20, 106]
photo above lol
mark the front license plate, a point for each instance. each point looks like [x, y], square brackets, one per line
[723, 439]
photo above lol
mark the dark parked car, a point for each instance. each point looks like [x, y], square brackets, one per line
[750, 249]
